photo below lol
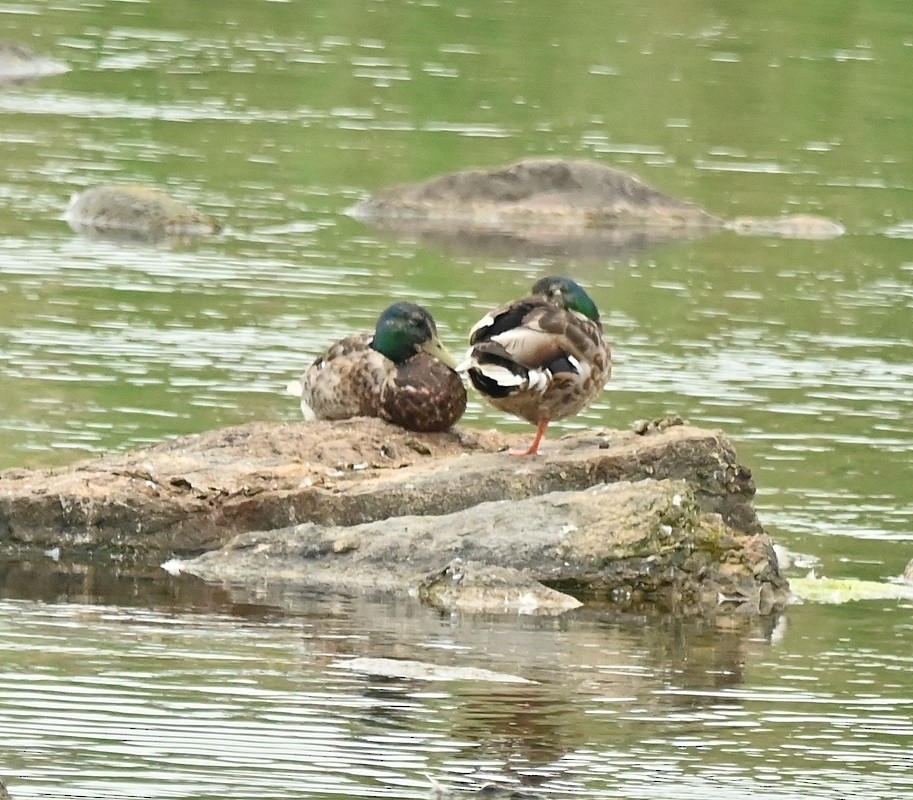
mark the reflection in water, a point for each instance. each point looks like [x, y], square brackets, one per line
[105, 702]
[49, 581]
[534, 243]
[233, 656]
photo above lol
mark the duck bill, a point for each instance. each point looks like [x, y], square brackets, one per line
[433, 347]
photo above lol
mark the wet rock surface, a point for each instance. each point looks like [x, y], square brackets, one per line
[478, 586]
[663, 516]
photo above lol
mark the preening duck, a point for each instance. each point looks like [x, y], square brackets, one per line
[401, 373]
[541, 358]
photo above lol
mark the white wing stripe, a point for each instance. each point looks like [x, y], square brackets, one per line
[500, 375]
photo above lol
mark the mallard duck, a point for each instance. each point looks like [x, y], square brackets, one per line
[401, 373]
[541, 358]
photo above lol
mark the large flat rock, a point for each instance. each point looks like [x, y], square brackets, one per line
[195, 493]
[662, 518]
[556, 192]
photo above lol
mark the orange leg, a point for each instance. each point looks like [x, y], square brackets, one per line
[534, 447]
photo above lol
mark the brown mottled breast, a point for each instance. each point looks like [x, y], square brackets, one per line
[423, 394]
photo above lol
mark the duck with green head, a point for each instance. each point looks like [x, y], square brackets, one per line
[401, 373]
[541, 358]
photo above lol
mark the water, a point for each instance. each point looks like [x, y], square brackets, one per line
[277, 117]
[103, 701]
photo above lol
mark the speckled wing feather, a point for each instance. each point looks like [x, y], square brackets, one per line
[353, 380]
[345, 381]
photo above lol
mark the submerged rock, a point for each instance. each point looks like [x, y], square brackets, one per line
[422, 671]
[550, 205]
[560, 193]
[791, 226]
[487, 791]
[476, 586]
[820, 589]
[20, 63]
[137, 212]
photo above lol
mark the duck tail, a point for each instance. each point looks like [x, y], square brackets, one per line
[296, 389]
[495, 374]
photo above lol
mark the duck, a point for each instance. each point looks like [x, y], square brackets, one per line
[401, 373]
[541, 358]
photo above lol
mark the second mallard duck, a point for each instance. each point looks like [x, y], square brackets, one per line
[401, 373]
[541, 358]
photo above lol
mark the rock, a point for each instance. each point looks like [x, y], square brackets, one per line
[195, 492]
[136, 212]
[422, 671]
[487, 791]
[558, 193]
[636, 545]
[558, 205]
[475, 586]
[815, 589]
[662, 518]
[20, 63]
[792, 226]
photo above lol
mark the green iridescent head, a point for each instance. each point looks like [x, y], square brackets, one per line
[568, 294]
[405, 329]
